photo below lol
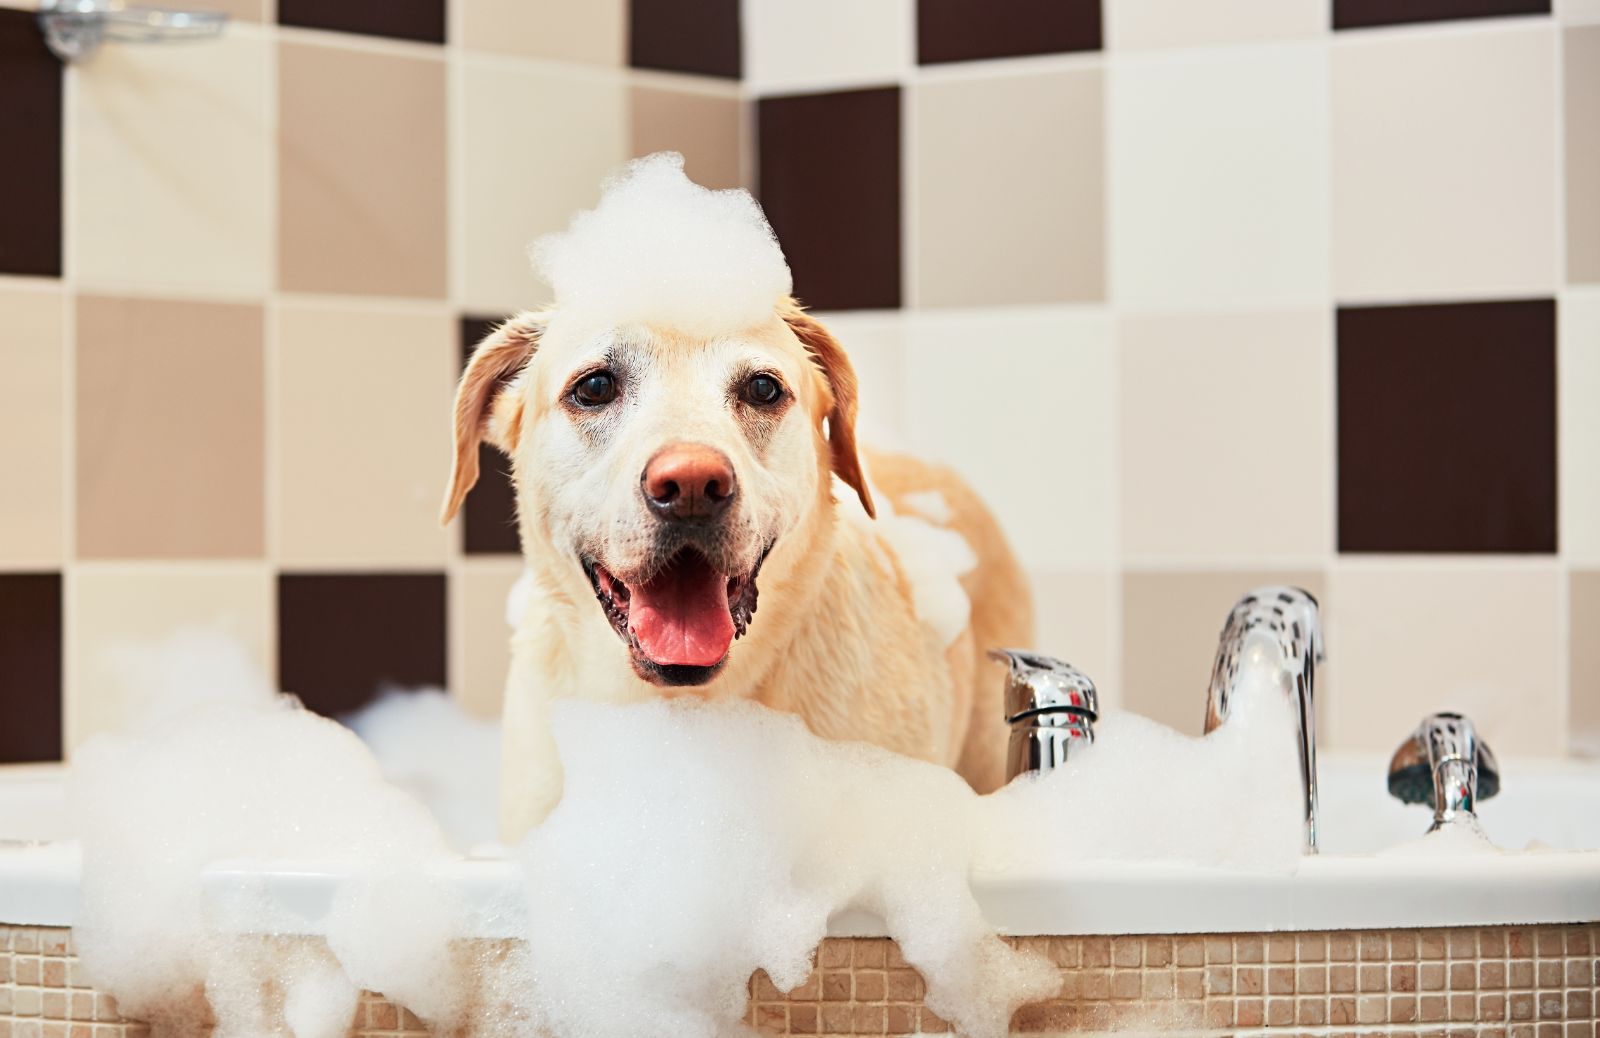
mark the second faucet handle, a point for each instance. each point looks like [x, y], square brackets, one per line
[1445, 763]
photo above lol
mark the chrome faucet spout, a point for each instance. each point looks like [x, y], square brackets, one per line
[1275, 627]
[1446, 762]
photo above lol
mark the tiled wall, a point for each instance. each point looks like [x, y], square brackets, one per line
[1199, 296]
[1521, 982]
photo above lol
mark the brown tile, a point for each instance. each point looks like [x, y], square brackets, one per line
[1169, 624]
[170, 429]
[1402, 945]
[489, 517]
[1219, 980]
[343, 637]
[32, 424]
[1311, 980]
[1417, 458]
[1311, 1012]
[1341, 979]
[1403, 977]
[704, 127]
[1341, 946]
[1403, 1009]
[30, 659]
[30, 124]
[1189, 951]
[1582, 66]
[1250, 980]
[403, 19]
[685, 36]
[1249, 1012]
[1126, 952]
[969, 30]
[1280, 1012]
[1360, 14]
[361, 172]
[1374, 977]
[815, 208]
[1520, 973]
[1219, 949]
[1096, 951]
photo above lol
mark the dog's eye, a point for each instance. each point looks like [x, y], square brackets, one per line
[595, 389]
[763, 390]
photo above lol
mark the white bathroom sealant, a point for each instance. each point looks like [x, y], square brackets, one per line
[694, 844]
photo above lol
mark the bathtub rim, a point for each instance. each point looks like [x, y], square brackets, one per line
[39, 887]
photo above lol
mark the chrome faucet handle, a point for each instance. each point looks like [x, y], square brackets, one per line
[74, 29]
[1051, 707]
[1288, 619]
[1445, 763]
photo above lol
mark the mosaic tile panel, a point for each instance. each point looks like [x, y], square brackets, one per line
[1512, 982]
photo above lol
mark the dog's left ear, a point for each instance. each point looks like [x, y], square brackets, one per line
[499, 357]
[829, 356]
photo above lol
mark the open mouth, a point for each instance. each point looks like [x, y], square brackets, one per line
[680, 622]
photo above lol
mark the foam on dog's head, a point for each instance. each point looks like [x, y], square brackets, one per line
[661, 250]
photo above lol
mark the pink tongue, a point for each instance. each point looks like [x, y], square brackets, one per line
[681, 617]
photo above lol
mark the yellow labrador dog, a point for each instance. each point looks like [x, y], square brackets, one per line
[664, 482]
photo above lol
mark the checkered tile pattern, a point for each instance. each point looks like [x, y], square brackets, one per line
[1199, 296]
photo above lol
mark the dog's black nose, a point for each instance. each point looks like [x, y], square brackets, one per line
[688, 481]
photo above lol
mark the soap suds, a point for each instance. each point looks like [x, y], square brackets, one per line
[429, 746]
[695, 844]
[662, 250]
[931, 558]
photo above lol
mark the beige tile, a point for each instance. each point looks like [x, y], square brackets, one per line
[361, 170]
[1398, 635]
[1582, 63]
[1578, 11]
[237, 10]
[1041, 239]
[1218, 166]
[593, 31]
[1578, 361]
[1584, 710]
[32, 424]
[790, 45]
[170, 151]
[1170, 623]
[989, 389]
[1075, 620]
[1443, 182]
[875, 342]
[1139, 24]
[170, 429]
[118, 607]
[704, 126]
[1223, 428]
[572, 130]
[363, 446]
[483, 648]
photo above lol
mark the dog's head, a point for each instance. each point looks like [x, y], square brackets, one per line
[658, 469]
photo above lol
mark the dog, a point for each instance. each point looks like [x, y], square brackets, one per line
[667, 481]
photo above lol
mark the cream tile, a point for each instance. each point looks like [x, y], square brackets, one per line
[1139, 24]
[1170, 624]
[1483, 639]
[1018, 402]
[705, 127]
[1578, 11]
[1578, 436]
[1584, 710]
[361, 171]
[363, 446]
[1075, 619]
[594, 31]
[117, 608]
[1224, 428]
[572, 130]
[1219, 161]
[1581, 61]
[794, 44]
[171, 158]
[33, 459]
[1443, 182]
[1040, 240]
[875, 341]
[170, 429]
[479, 591]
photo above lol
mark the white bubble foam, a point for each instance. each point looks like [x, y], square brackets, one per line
[659, 249]
[695, 844]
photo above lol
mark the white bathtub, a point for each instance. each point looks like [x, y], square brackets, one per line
[1552, 805]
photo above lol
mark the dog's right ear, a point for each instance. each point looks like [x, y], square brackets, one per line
[498, 359]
